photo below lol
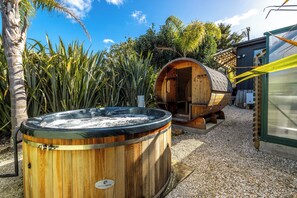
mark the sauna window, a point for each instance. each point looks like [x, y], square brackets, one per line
[282, 93]
[168, 86]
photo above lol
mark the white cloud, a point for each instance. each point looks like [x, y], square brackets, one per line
[257, 22]
[139, 17]
[115, 2]
[106, 41]
[237, 19]
[135, 14]
[79, 7]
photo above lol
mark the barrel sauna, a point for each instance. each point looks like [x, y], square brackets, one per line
[121, 161]
[195, 94]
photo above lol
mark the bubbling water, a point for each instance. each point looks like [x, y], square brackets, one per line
[99, 121]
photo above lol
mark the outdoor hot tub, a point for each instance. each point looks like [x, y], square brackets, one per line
[99, 152]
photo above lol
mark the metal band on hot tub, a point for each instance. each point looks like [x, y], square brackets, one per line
[93, 146]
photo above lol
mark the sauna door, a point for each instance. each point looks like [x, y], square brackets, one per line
[184, 79]
[184, 89]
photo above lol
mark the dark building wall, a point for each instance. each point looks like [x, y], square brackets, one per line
[245, 55]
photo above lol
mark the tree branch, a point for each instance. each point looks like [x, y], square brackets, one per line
[169, 49]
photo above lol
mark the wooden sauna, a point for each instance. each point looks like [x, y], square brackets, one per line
[124, 161]
[195, 94]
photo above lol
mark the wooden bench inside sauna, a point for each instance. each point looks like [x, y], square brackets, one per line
[195, 94]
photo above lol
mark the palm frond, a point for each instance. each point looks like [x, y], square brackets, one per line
[213, 30]
[176, 28]
[175, 23]
[51, 5]
[192, 37]
[26, 10]
[168, 49]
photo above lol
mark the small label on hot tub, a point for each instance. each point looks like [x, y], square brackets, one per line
[104, 184]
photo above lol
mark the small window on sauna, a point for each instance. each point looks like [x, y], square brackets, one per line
[168, 86]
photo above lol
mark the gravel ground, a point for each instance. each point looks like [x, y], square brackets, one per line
[224, 160]
[11, 187]
[227, 165]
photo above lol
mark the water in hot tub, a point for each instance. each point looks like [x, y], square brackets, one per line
[100, 121]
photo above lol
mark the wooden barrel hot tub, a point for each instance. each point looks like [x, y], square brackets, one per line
[110, 160]
[192, 92]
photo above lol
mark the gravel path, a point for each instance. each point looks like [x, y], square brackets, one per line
[224, 160]
[227, 165]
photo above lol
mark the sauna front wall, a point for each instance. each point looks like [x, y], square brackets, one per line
[185, 86]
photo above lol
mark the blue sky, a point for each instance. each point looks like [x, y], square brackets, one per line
[112, 21]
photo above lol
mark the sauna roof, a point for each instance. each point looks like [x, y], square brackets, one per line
[226, 58]
[219, 82]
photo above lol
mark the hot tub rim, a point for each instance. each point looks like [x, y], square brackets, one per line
[62, 133]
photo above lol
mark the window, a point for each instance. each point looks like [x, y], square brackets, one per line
[259, 56]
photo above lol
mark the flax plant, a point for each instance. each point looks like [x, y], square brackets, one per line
[34, 57]
[4, 97]
[68, 78]
[138, 77]
[110, 93]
